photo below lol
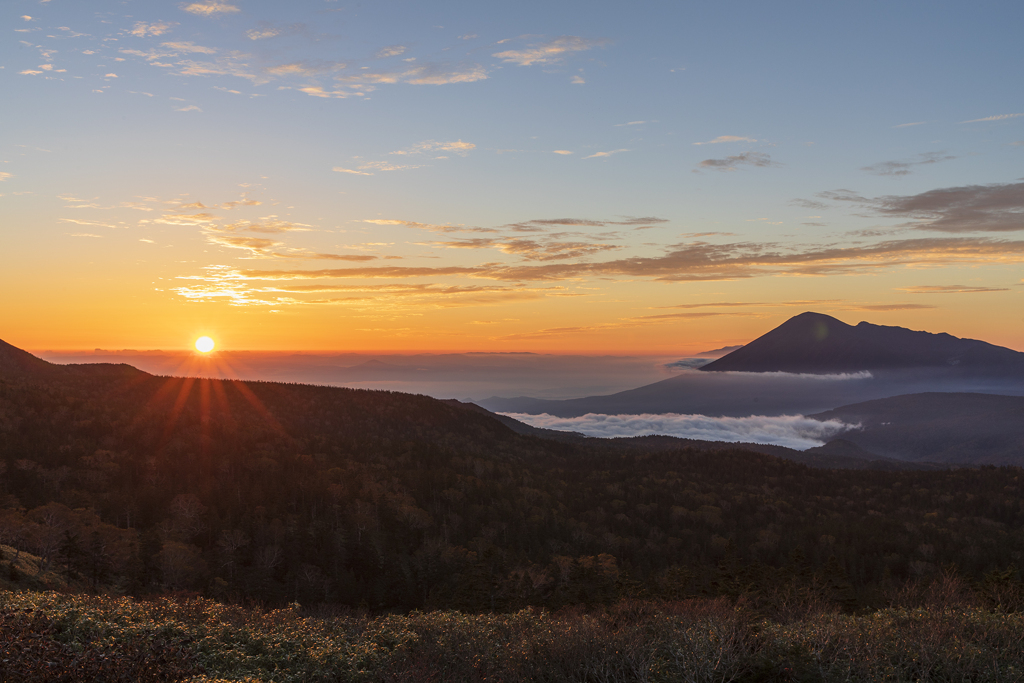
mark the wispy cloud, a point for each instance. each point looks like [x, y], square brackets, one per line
[78, 221]
[262, 33]
[202, 218]
[226, 283]
[900, 168]
[266, 248]
[544, 224]
[1000, 117]
[532, 249]
[971, 208]
[758, 159]
[141, 29]
[390, 51]
[318, 91]
[710, 262]
[757, 304]
[726, 138]
[4, 175]
[427, 146]
[340, 169]
[561, 151]
[792, 431]
[887, 307]
[187, 46]
[305, 68]
[553, 51]
[240, 202]
[430, 227]
[388, 166]
[951, 289]
[908, 125]
[266, 225]
[422, 74]
[208, 9]
[597, 155]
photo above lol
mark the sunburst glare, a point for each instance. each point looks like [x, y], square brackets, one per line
[204, 345]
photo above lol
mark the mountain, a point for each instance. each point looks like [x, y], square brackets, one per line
[957, 428]
[17, 363]
[817, 343]
[739, 394]
[22, 365]
[826, 363]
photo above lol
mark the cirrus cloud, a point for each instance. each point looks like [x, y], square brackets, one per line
[553, 51]
[759, 159]
[726, 138]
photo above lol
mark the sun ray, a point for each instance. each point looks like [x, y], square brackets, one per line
[179, 405]
[257, 404]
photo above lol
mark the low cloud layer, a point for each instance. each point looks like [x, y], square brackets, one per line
[830, 377]
[791, 431]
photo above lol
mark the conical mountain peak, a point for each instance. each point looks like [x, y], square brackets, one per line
[817, 343]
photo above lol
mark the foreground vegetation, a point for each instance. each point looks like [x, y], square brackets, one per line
[432, 543]
[59, 637]
[283, 493]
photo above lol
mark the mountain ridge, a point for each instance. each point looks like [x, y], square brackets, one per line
[818, 343]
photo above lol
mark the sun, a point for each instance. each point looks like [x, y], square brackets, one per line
[204, 345]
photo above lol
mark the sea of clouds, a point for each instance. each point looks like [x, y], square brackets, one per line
[830, 377]
[791, 431]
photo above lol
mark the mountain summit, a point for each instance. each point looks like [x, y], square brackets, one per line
[817, 343]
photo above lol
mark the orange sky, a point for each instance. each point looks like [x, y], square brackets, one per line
[505, 178]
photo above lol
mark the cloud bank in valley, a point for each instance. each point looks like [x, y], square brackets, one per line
[791, 431]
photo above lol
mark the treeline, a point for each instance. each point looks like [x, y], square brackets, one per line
[392, 501]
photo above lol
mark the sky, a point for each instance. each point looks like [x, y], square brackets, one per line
[656, 178]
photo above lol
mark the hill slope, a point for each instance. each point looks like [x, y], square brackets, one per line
[938, 427]
[277, 492]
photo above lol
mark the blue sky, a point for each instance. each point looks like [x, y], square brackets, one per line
[485, 176]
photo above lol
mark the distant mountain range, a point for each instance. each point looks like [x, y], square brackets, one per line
[18, 364]
[817, 343]
[895, 429]
[933, 427]
[809, 364]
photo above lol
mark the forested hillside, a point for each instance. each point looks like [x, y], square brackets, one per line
[293, 492]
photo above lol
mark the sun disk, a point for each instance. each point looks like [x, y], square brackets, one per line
[204, 345]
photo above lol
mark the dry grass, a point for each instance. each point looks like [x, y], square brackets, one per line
[694, 640]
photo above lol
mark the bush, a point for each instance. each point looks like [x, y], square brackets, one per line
[57, 637]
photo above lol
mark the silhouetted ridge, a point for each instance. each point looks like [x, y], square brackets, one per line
[817, 343]
[965, 428]
[15, 363]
